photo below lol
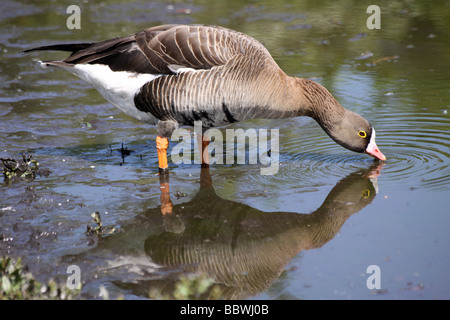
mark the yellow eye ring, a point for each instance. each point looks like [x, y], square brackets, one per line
[366, 194]
[362, 133]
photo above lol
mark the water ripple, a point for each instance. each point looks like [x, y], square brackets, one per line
[416, 146]
[418, 151]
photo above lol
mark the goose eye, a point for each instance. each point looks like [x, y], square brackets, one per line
[362, 134]
[366, 194]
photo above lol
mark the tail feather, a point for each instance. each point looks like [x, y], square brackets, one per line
[86, 52]
[120, 54]
[98, 50]
[73, 47]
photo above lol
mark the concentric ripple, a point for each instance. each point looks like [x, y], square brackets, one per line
[416, 147]
[418, 150]
[310, 158]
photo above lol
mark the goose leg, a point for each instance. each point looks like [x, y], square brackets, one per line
[203, 142]
[166, 203]
[161, 146]
[165, 130]
[205, 177]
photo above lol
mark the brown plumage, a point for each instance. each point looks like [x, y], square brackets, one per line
[179, 74]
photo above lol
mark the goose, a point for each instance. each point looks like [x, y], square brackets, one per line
[173, 75]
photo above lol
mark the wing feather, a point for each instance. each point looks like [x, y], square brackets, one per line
[154, 49]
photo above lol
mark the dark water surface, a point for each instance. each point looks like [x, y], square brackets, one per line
[308, 232]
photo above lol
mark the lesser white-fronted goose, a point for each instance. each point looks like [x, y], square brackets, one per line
[174, 75]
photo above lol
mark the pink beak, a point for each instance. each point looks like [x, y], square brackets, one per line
[373, 150]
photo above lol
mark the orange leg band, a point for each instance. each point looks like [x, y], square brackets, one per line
[161, 146]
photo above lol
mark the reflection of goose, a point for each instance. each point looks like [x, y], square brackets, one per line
[243, 249]
[174, 75]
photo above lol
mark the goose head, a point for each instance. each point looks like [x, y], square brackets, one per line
[345, 127]
[355, 133]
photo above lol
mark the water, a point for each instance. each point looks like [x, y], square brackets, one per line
[309, 232]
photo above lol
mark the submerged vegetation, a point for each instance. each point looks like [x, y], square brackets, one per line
[99, 229]
[16, 283]
[191, 287]
[27, 168]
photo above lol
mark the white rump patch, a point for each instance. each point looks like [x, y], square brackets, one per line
[118, 87]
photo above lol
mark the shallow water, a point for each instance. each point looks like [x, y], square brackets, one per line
[308, 232]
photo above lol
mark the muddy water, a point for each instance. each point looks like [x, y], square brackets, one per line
[308, 232]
